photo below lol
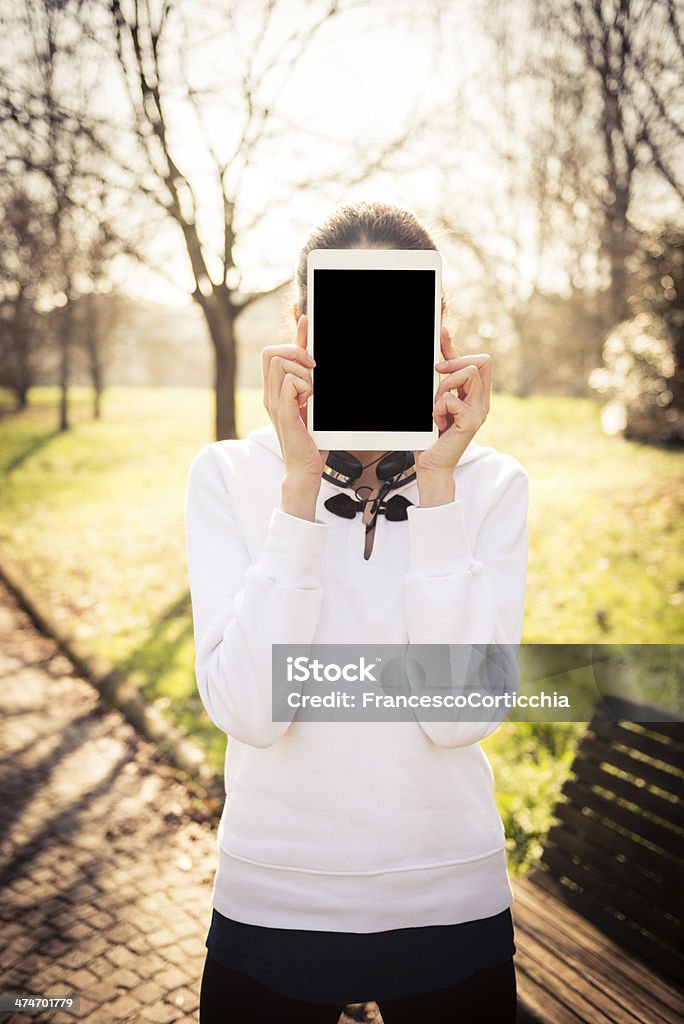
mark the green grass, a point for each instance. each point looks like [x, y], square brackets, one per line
[94, 519]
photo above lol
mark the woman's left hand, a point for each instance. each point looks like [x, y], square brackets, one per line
[458, 416]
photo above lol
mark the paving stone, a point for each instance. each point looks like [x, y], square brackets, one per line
[76, 957]
[105, 918]
[121, 932]
[162, 1013]
[23, 943]
[82, 979]
[122, 1007]
[171, 978]
[126, 978]
[88, 1006]
[194, 947]
[80, 931]
[97, 946]
[185, 998]
[147, 992]
[96, 901]
[139, 945]
[179, 956]
[162, 937]
[11, 929]
[103, 992]
[118, 955]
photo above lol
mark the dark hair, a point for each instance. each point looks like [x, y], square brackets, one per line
[363, 225]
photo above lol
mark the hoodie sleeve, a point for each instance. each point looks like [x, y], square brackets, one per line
[458, 595]
[241, 608]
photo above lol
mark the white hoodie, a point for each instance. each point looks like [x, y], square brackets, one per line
[350, 826]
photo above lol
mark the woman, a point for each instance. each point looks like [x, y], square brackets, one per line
[357, 861]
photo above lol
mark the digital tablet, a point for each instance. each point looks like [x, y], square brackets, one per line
[374, 320]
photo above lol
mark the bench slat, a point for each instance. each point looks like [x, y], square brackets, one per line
[660, 959]
[630, 872]
[662, 748]
[561, 1003]
[599, 922]
[645, 715]
[614, 897]
[664, 838]
[552, 972]
[607, 837]
[670, 729]
[536, 1004]
[597, 751]
[644, 797]
[581, 948]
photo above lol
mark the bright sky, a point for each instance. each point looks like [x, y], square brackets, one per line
[358, 82]
[366, 75]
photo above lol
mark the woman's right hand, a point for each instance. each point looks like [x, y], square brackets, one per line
[286, 372]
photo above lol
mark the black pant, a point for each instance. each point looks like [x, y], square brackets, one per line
[487, 997]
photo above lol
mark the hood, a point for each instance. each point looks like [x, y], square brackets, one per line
[267, 437]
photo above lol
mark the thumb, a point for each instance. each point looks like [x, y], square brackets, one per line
[302, 331]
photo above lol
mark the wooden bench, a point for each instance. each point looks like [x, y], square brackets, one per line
[599, 932]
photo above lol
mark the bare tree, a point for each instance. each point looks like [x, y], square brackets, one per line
[46, 150]
[586, 121]
[25, 240]
[508, 234]
[153, 50]
[97, 312]
[617, 68]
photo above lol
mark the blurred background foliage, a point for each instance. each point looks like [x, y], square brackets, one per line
[160, 166]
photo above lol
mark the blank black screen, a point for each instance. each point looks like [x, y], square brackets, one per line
[374, 349]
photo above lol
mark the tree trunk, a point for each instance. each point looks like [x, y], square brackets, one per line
[220, 320]
[225, 390]
[676, 385]
[525, 375]
[24, 374]
[617, 247]
[96, 373]
[64, 343]
[620, 162]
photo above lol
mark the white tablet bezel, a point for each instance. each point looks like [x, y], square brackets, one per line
[374, 259]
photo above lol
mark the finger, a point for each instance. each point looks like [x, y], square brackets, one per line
[479, 359]
[443, 413]
[448, 348]
[301, 337]
[450, 409]
[440, 415]
[269, 353]
[456, 379]
[485, 365]
[293, 391]
[471, 390]
[279, 367]
[486, 376]
[486, 379]
[294, 351]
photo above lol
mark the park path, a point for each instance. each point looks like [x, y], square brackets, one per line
[106, 865]
[106, 859]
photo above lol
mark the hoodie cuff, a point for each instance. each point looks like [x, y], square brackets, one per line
[293, 551]
[438, 542]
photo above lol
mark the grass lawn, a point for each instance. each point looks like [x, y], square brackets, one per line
[94, 519]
